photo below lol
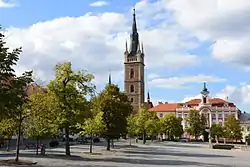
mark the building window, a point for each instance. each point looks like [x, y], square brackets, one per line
[180, 115]
[185, 115]
[132, 89]
[219, 115]
[132, 73]
[132, 100]
[213, 115]
[204, 100]
[220, 123]
[161, 115]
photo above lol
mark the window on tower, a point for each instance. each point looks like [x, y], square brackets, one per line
[132, 73]
[132, 89]
[132, 100]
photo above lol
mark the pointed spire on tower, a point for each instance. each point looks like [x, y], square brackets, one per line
[134, 27]
[126, 46]
[142, 49]
[110, 82]
[148, 97]
[134, 37]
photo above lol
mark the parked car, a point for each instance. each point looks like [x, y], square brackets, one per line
[183, 139]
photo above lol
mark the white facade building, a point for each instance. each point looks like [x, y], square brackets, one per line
[215, 109]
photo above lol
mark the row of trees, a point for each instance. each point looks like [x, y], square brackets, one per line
[197, 126]
[69, 102]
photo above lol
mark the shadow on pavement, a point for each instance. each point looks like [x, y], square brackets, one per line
[171, 153]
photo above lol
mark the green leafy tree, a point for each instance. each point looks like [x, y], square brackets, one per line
[41, 112]
[217, 131]
[92, 126]
[7, 61]
[171, 125]
[152, 126]
[144, 122]
[8, 128]
[71, 88]
[131, 127]
[196, 123]
[12, 88]
[232, 127]
[116, 108]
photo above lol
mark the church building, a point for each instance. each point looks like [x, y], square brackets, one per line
[134, 79]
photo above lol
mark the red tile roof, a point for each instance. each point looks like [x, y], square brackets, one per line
[165, 107]
[171, 107]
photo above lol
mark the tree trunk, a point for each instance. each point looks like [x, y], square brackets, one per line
[112, 143]
[37, 145]
[144, 138]
[18, 140]
[130, 141]
[67, 146]
[108, 144]
[217, 140]
[91, 143]
[8, 145]
[152, 139]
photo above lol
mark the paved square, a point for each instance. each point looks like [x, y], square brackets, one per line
[149, 155]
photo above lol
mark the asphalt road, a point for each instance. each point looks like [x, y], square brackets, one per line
[149, 155]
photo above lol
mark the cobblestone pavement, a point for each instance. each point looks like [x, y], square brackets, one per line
[149, 155]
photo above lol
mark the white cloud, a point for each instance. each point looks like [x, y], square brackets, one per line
[99, 3]
[237, 94]
[7, 4]
[224, 21]
[153, 76]
[188, 98]
[181, 82]
[96, 42]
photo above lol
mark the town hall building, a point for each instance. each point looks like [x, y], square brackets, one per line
[214, 109]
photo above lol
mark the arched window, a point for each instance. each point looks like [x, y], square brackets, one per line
[132, 89]
[132, 73]
[132, 100]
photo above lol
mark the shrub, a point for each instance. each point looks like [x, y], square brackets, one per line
[225, 147]
[53, 143]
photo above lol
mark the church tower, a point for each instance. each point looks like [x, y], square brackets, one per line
[134, 69]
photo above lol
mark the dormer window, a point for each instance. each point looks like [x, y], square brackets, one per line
[132, 73]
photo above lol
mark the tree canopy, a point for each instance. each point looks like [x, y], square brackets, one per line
[232, 127]
[71, 89]
[196, 123]
[116, 108]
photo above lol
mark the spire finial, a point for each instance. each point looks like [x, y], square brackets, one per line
[205, 90]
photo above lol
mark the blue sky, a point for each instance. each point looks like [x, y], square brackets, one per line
[185, 43]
